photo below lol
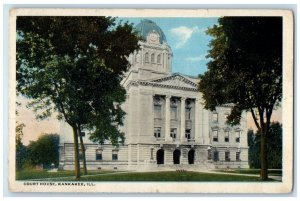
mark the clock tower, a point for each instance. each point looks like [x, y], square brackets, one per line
[154, 58]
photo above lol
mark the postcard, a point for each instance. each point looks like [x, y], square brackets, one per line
[151, 100]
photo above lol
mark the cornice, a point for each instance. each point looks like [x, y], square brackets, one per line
[160, 85]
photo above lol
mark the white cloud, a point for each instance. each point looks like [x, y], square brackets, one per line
[183, 34]
[197, 58]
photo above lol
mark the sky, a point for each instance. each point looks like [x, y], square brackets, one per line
[189, 43]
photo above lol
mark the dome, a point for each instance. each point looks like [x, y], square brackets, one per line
[146, 26]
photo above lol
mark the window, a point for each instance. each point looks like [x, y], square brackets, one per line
[137, 58]
[151, 153]
[157, 131]
[226, 137]
[173, 133]
[147, 57]
[157, 111]
[215, 117]
[215, 136]
[216, 155]
[238, 156]
[237, 137]
[188, 113]
[188, 133]
[152, 58]
[115, 155]
[227, 156]
[98, 154]
[209, 154]
[159, 58]
[173, 112]
[173, 108]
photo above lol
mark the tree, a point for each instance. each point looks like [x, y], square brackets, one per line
[246, 70]
[44, 150]
[274, 147]
[72, 65]
[21, 151]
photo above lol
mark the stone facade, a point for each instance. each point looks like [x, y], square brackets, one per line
[166, 126]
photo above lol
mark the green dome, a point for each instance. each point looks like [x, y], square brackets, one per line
[146, 26]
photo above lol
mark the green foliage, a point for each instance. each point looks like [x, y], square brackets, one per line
[74, 65]
[44, 151]
[254, 149]
[274, 147]
[246, 70]
[246, 64]
[21, 151]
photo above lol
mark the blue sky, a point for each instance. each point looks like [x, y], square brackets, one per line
[188, 41]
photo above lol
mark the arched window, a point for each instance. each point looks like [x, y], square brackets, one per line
[152, 58]
[137, 58]
[147, 57]
[176, 156]
[160, 156]
[159, 59]
[191, 156]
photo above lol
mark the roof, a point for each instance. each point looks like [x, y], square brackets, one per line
[146, 26]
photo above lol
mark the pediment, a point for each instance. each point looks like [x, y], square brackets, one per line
[176, 80]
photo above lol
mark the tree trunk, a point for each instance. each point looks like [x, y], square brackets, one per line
[263, 145]
[76, 155]
[83, 151]
[263, 156]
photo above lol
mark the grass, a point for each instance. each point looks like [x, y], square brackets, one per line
[42, 174]
[252, 171]
[135, 176]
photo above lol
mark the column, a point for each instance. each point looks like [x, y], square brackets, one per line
[165, 60]
[167, 128]
[197, 123]
[182, 120]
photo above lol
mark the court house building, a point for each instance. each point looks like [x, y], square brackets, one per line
[166, 125]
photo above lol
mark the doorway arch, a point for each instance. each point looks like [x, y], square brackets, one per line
[160, 156]
[191, 156]
[176, 156]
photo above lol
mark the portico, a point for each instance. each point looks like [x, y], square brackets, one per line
[179, 118]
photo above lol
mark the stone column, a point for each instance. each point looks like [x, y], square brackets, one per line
[182, 120]
[165, 61]
[198, 137]
[167, 128]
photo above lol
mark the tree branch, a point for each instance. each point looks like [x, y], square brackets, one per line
[255, 119]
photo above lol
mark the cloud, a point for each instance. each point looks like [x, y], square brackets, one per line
[197, 58]
[183, 34]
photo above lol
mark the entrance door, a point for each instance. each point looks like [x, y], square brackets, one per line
[176, 156]
[160, 155]
[191, 156]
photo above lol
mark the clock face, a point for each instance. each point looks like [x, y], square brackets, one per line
[153, 37]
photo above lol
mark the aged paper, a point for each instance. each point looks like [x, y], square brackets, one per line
[284, 186]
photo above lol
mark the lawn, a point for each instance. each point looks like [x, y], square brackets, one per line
[135, 176]
[40, 174]
[252, 171]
